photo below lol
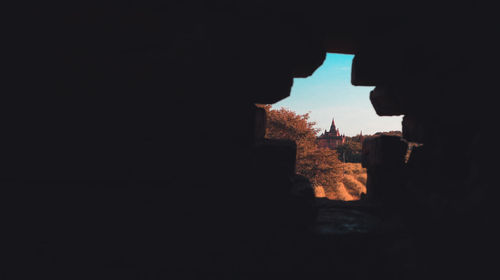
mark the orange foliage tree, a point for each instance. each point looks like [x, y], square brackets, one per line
[321, 166]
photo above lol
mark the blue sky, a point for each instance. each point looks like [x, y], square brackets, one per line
[328, 94]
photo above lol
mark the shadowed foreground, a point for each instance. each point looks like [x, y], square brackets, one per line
[131, 145]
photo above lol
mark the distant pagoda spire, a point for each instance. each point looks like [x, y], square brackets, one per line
[333, 129]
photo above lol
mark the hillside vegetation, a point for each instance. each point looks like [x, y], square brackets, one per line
[330, 177]
[350, 186]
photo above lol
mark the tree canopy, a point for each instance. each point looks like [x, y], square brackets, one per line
[350, 151]
[320, 165]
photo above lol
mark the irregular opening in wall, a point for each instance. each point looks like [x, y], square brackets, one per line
[329, 118]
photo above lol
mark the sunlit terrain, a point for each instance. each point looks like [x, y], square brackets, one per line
[352, 185]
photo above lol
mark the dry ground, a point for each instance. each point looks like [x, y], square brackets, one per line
[352, 185]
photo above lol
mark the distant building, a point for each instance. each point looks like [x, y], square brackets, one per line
[360, 137]
[331, 139]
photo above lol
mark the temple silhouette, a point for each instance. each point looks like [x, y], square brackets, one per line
[331, 139]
